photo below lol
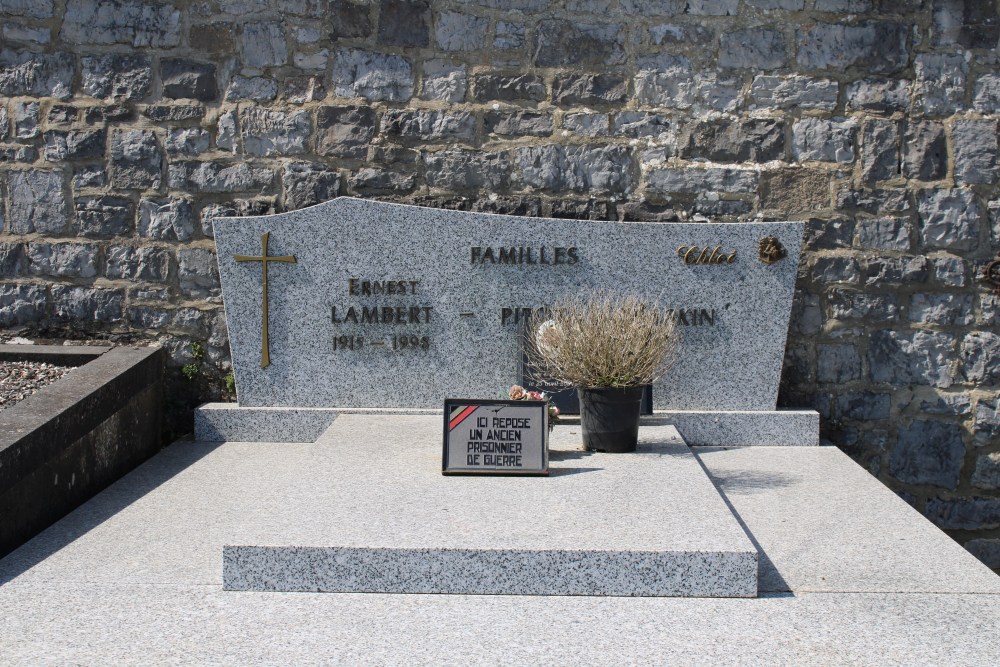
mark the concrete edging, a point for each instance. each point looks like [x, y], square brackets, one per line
[71, 439]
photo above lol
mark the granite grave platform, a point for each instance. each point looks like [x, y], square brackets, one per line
[352, 310]
[849, 574]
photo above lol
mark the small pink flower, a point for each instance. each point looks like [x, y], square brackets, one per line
[517, 393]
[535, 395]
[553, 411]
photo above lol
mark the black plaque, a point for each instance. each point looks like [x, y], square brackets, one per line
[495, 437]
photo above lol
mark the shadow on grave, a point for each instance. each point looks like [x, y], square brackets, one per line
[744, 482]
[170, 462]
[557, 455]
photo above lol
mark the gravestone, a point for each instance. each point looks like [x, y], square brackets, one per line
[359, 306]
[356, 304]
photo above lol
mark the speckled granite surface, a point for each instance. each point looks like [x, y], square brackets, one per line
[228, 422]
[747, 428]
[650, 523]
[134, 578]
[219, 422]
[844, 523]
[730, 360]
[202, 625]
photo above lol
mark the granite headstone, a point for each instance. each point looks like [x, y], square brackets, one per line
[370, 304]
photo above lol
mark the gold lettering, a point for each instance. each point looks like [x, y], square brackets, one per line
[707, 256]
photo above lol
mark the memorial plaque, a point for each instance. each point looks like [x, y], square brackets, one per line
[378, 305]
[495, 437]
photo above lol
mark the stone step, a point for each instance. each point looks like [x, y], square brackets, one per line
[231, 422]
[374, 514]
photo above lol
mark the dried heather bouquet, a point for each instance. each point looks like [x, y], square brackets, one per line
[601, 340]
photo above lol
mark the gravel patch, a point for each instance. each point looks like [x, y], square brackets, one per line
[20, 379]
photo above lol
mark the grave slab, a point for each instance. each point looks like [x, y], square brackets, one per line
[134, 577]
[380, 517]
[824, 524]
[117, 624]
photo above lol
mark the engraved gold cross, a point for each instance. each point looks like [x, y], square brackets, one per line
[265, 348]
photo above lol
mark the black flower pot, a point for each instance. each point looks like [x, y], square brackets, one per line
[609, 418]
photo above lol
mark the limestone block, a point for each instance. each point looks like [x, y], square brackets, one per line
[103, 216]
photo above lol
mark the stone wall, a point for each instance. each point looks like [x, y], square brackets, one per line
[126, 126]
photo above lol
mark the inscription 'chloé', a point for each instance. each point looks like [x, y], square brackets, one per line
[692, 254]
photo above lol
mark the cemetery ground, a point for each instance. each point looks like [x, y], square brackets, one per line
[848, 572]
